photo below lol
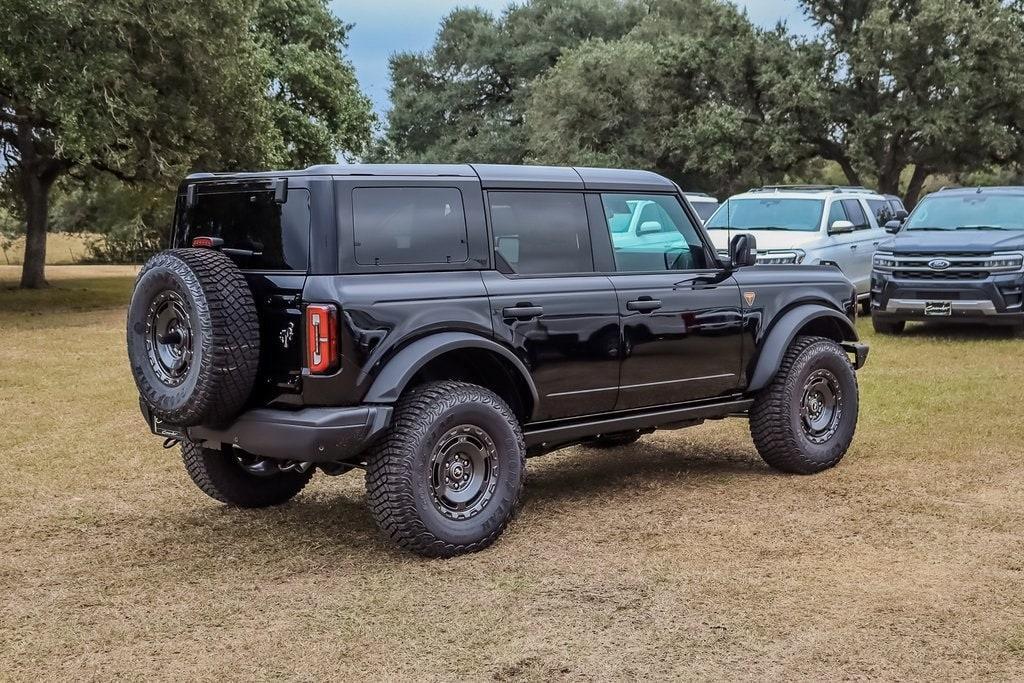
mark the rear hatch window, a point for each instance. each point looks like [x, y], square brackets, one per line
[259, 233]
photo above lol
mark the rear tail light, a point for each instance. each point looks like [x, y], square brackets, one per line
[321, 338]
[207, 242]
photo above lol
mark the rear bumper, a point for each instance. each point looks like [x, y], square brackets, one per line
[308, 435]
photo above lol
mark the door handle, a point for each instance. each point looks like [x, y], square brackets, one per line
[853, 246]
[643, 305]
[522, 311]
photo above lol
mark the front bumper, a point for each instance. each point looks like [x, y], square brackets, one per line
[995, 300]
[307, 435]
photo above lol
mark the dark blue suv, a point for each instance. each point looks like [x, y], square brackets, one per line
[959, 257]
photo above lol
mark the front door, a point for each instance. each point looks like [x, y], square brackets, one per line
[548, 303]
[681, 323]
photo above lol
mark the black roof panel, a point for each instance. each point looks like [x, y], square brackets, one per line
[628, 180]
[501, 176]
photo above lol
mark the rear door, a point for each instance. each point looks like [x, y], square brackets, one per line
[681, 322]
[549, 304]
[268, 236]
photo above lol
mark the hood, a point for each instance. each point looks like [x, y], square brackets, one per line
[767, 240]
[934, 241]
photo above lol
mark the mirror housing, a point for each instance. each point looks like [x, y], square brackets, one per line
[840, 227]
[893, 227]
[901, 215]
[648, 227]
[742, 250]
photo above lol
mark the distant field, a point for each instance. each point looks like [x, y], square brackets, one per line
[680, 557]
[61, 248]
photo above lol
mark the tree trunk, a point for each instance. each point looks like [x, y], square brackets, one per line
[916, 185]
[36, 196]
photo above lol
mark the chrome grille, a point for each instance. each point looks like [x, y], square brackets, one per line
[962, 266]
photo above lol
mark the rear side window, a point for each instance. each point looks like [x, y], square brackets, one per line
[856, 214]
[408, 225]
[258, 232]
[541, 232]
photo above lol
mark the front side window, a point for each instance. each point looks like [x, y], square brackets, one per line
[541, 232]
[408, 225]
[768, 213]
[704, 209]
[836, 212]
[258, 232]
[652, 233]
[856, 214]
[976, 211]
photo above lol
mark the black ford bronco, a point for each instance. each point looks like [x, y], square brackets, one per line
[436, 325]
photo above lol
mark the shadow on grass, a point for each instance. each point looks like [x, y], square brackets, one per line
[329, 522]
[85, 294]
[957, 331]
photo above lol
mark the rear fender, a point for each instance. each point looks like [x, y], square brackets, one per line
[403, 366]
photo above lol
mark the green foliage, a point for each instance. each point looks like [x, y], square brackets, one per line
[465, 99]
[147, 90]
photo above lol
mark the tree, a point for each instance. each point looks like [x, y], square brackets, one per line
[465, 98]
[146, 90]
[925, 86]
[694, 92]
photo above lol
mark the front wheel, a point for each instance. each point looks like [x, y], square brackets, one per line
[447, 476]
[804, 421]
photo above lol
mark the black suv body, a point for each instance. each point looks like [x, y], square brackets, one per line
[526, 294]
[959, 258]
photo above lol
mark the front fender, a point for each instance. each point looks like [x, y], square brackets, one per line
[404, 365]
[782, 334]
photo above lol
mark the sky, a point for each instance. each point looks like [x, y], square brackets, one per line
[383, 27]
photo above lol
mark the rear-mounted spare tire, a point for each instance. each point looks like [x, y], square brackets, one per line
[193, 337]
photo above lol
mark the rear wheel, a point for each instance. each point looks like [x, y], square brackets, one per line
[239, 479]
[888, 326]
[804, 421]
[447, 477]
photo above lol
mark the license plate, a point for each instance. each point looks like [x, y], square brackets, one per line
[161, 428]
[941, 308]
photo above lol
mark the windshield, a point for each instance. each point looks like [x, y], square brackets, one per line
[803, 215]
[968, 212]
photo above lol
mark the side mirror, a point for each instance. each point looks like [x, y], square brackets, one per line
[893, 226]
[901, 215]
[840, 227]
[647, 227]
[743, 250]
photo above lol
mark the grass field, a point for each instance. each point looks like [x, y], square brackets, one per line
[61, 249]
[682, 556]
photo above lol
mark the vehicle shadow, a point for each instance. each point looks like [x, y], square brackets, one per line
[325, 521]
[957, 331]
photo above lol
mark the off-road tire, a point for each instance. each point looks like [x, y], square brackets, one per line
[400, 472]
[776, 424]
[223, 333]
[888, 326]
[615, 440]
[218, 474]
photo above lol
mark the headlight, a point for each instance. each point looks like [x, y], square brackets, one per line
[884, 260]
[1004, 262]
[775, 258]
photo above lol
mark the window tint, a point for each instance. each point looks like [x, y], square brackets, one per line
[856, 213]
[836, 213]
[882, 210]
[258, 233]
[704, 209]
[408, 225]
[541, 232]
[651, 233]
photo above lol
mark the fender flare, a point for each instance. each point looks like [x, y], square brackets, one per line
[782, 334]
[403, 366]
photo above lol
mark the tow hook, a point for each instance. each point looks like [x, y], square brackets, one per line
[859, 351]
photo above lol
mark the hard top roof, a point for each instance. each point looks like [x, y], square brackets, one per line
[491, 176]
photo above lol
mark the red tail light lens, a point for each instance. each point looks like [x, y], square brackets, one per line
[321, 338]
[207, 242]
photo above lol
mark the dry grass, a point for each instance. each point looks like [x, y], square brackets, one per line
[682, 556]
[61, 249]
